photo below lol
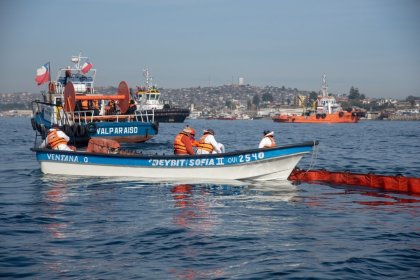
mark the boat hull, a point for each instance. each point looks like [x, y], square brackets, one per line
[171, 115]
[124, 129]
[258, 164]
[337, 117]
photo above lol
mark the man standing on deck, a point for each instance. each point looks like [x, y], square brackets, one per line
[183, 142]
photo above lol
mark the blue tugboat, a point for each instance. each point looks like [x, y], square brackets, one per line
[73, 105]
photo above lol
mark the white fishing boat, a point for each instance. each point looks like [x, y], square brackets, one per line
[255, 164]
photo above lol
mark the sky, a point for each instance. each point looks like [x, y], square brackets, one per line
[373, 45]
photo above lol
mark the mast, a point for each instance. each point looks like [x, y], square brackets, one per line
[146, 75]
[324, 88]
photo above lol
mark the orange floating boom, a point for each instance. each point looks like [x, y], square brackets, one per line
[388, 183]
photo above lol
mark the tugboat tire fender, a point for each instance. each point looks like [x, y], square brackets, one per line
[33, 124]
[81, 130]
[67, 130]
[43, 131]
[91, 127]
[74, 129]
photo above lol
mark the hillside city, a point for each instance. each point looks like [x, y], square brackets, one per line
[244, 102]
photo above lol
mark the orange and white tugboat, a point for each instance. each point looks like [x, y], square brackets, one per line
[327, 110]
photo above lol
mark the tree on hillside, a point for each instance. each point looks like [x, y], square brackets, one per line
[229, 104]
[256, 100]
[267, 97]
[249, 104]
[412, 100]
[354, 93]
[313, 96]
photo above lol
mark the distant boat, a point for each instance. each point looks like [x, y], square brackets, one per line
[73, 104]
[326, 110]
[147, 99]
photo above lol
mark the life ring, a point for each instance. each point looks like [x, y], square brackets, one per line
[38, 126]
[91, 127]
[341, 114]
[74, 130]
[155, 126]
[43, 131]
[67, 129]
[324, 116]
[318, 116]
[33, 123]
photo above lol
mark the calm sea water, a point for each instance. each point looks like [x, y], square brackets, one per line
[105, 228]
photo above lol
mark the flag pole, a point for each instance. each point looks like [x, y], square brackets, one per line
[49, 70]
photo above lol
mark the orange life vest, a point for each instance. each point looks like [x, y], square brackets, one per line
[205, 146]
[85, 105]
[54, 140]
[95, 104]
[179, 147]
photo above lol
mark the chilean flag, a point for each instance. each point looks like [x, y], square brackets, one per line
[43, 74]
[86, 67]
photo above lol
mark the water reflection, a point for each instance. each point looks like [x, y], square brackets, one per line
[54, 198]
[193, 213]
[391, 199]
[192, 207]
[321, 193]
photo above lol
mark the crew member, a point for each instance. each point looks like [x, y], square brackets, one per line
[183, 142]
[268, 140]
[67, 75]
[111, 108]
[95, 107]
[208, 144]
[85, 105]
[57, 140]
[132, 108]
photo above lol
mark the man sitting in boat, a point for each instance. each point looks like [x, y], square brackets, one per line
[183, 142]
[57, 140]
[268, 140]
[208, 144]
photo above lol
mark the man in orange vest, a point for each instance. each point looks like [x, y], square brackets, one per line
[268, 140]
[183, 142]
[208, 144]
[57, 140]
